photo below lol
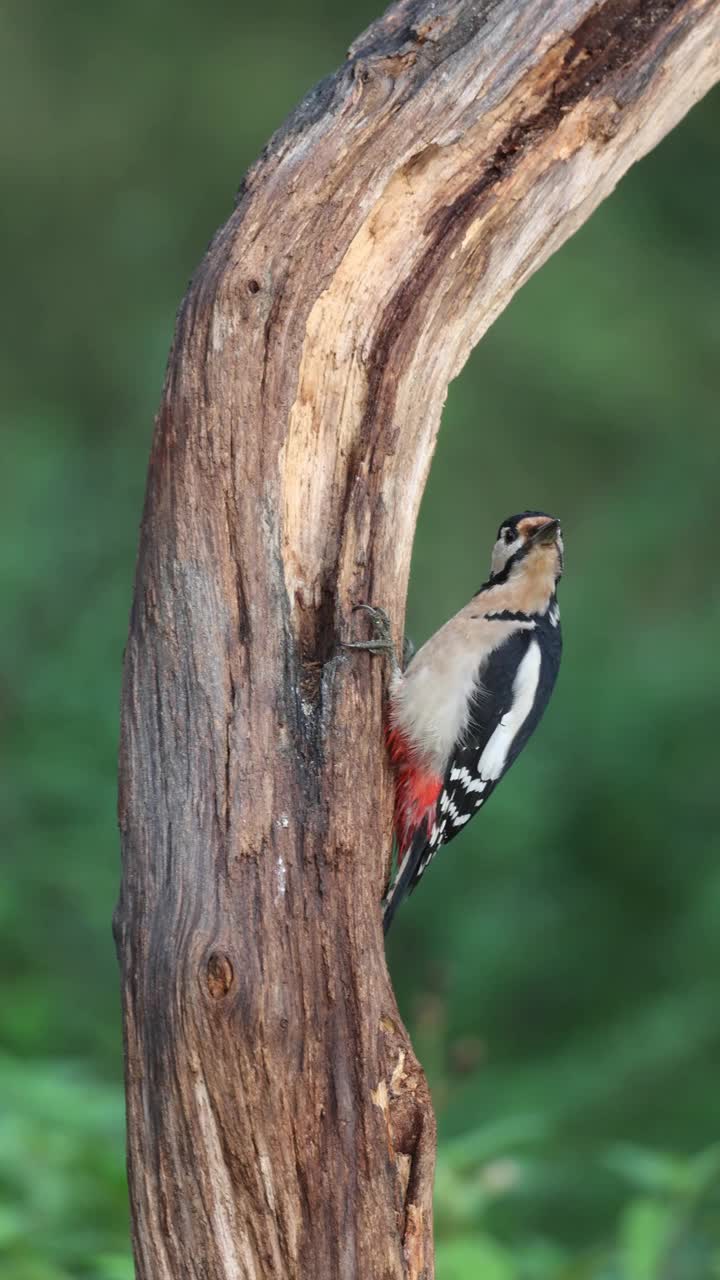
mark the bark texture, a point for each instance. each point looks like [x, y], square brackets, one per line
[279, 1124]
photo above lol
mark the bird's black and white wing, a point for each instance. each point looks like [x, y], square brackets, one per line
[511, 691]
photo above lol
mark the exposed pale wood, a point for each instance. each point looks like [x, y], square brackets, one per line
[278, 1122]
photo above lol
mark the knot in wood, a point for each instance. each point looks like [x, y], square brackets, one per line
[219, 975]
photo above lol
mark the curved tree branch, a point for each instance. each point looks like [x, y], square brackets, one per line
[278, 1122]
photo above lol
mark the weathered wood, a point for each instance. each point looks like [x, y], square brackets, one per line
[278, 1122]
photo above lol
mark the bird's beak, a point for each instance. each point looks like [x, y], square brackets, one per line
[546, 533]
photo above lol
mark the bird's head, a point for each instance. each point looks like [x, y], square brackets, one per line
[530, 543]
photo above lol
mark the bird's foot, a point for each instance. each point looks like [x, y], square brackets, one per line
[381, 641]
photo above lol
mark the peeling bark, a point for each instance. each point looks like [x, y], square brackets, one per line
[279, 1124]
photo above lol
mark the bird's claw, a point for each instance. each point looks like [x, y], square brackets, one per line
[379, 619]
[382, 639]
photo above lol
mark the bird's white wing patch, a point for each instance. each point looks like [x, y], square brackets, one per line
[495, 753]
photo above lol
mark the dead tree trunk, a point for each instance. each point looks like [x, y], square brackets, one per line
[278, 1122]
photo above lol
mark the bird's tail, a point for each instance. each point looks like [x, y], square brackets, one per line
[406, 877]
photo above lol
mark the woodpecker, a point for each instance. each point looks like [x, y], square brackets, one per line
[463, 708]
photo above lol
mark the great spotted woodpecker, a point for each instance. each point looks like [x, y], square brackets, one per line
[466, 704]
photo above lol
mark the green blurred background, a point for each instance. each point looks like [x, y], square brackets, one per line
[560, 972]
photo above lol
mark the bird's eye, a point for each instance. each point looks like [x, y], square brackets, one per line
[509, 536]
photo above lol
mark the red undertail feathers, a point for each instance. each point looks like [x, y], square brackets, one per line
[416, 792]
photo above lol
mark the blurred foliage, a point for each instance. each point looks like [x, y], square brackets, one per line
[63, 1198]
[559, 977]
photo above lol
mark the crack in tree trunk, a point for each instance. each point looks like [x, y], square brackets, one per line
[279, 1124]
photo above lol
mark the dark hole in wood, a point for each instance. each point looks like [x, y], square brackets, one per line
[219, 975]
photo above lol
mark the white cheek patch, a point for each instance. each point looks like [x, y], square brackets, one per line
[492, 760]
[502, 551]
